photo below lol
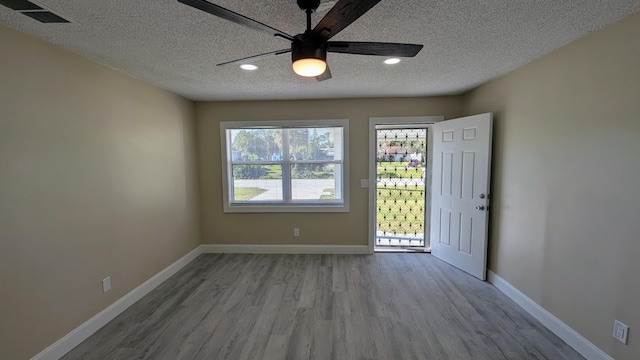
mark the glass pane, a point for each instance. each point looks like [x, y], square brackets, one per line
[255, 144]
[314, 182]
[257, 183]
[315, 143]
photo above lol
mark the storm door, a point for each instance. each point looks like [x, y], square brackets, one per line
[401, 194]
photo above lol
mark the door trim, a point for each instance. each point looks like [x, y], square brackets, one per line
[397, 121]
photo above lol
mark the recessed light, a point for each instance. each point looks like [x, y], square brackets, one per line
[248, 67]
[392, 61]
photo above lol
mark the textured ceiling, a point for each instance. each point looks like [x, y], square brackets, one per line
[171, 45]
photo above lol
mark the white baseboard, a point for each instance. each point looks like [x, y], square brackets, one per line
[82, 332]
[555, 325]
[285, 249]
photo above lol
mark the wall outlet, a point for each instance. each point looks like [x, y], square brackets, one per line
[106, 284]
[296, 232]
[364, 183]
[620, 331]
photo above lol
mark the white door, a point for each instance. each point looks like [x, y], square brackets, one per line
[460, 192]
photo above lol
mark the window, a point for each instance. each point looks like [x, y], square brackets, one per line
[285, 166]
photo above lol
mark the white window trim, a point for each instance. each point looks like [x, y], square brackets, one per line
[273, 207]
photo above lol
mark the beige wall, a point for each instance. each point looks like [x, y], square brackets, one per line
[96, 179]
[316, 229]
[566, 218]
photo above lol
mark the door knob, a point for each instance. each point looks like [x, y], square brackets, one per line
[481, 207]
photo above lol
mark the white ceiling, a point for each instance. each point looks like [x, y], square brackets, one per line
[176, 47]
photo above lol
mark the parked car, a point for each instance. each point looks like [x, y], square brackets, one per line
[413, 163]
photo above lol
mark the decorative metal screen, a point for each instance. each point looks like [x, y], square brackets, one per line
[401, 172]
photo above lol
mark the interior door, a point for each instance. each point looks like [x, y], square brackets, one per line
[460, 192]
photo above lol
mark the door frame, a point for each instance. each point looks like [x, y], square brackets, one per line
[397, 122]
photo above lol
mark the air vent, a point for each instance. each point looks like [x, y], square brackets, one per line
[45, 17]
[20, 5]
[33, 11]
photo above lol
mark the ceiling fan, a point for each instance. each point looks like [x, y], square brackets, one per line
[309, 49]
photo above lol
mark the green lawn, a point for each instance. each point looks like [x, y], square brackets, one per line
[398, 170]
[327, 194]
[246, 193]
[401, 210]
[274, 171]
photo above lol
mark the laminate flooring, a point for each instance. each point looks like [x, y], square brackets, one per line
[382, 306]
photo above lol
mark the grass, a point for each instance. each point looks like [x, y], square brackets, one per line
[274, 172]
[327, 194]
[398, 170]
[246, 193]
[401, 210]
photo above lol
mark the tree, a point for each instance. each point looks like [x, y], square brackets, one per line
[252, 142]
[256, 145]
[309, 146]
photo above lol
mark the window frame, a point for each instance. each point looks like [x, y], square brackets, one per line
[285, 205]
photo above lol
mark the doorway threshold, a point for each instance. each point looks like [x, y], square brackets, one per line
[396, 249]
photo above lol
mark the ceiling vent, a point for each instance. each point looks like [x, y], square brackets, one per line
[33, 11]
[46, 17]
[20, 5]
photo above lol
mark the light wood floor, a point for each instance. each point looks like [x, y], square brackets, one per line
[383, 306]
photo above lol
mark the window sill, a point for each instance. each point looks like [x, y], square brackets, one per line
[285, 208]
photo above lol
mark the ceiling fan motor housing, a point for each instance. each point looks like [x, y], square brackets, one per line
[304, 47]
[308, 4]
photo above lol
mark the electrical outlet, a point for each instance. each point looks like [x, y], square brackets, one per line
[364, 183]
[620, 331]
[106, 284]
[296, 232]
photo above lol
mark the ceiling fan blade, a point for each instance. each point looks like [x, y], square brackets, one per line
[340, 16]
[245, 60]
[326, 75]
[227, 14]
[374, 48]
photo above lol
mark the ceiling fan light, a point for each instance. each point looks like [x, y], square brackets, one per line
[309, 67]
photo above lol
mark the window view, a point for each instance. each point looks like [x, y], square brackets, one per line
[285, 166]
